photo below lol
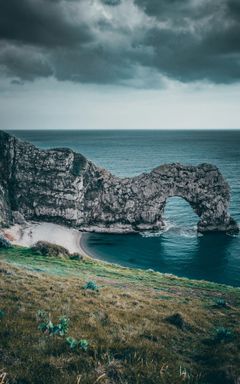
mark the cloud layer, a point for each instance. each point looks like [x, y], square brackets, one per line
[121, 41]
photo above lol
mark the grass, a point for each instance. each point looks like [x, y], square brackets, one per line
[125, 323]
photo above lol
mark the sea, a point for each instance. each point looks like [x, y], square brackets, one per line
[178, 249]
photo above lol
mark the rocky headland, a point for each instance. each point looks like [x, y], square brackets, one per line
[61, 186]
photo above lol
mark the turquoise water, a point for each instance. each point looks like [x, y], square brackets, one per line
[179, 249]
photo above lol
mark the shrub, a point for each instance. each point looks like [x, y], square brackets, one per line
[75, 256]
[177, 320]
[91, 285]
[44, 248]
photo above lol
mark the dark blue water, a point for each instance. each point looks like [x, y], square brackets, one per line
[179, 249]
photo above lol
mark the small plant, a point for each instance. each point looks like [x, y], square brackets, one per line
[73, 343]
[223, 334]
[47, 326]
[63, 325]
[221, 303]
[83, 344]
[91, 285]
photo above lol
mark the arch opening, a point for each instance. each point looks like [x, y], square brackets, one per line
[179, 213]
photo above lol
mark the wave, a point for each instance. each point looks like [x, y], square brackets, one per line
[173, 228]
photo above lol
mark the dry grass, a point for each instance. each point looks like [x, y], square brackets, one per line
[125, 323]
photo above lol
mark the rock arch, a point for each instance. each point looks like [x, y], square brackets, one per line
[64, 187]
[202, 186]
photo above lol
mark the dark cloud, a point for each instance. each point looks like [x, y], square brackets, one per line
[106, 41]
[111, 2]
[200, 39]
[90, 65]
[233, 8]
[40, 22]
[17, 82]
[24, 62]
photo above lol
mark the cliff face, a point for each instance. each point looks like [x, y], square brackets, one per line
[61, 186]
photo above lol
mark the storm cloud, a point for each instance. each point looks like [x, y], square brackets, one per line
[116, 41]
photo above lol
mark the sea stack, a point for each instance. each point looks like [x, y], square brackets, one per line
[61, 186]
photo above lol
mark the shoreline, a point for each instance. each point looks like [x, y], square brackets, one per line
[95, 257]
[82, 247]
[28, 234]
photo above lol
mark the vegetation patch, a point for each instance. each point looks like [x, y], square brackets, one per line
[120, 336]
[47, 326]
[45, 248]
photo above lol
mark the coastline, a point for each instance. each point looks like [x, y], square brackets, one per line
[83, 247]
[75, 241]
[95, 257]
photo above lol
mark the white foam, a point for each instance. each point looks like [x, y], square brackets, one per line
[172, 228]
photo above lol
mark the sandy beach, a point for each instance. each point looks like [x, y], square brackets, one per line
[28, 234]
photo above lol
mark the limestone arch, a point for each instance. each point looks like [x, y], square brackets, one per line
[202, 186]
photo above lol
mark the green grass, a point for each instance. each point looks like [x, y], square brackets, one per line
[124, 322]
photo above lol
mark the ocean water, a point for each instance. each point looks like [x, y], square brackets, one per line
[178, 249]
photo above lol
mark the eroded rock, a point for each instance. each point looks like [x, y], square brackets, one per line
[63, 187]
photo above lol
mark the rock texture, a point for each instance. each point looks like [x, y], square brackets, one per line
[61, 186]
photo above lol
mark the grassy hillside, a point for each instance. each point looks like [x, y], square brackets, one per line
[141, 327]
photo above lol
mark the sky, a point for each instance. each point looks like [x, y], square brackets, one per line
[133, 64]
